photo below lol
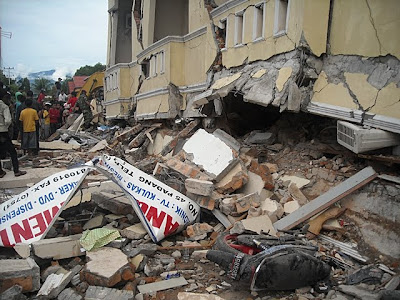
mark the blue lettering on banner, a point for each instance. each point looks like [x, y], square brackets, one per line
[67, 187]
[16, 212]
[181, 213]
[141, 191]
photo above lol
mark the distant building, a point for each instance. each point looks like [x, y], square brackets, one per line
[76, 84]
[187, 58]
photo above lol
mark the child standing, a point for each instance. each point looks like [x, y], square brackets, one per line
[46, 119]
[54, 116]
[30, 120]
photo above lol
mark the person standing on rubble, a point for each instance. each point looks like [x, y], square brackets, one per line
[84, 106]
[58, 87]
[30, 122]
[54, 116]
[6, 145]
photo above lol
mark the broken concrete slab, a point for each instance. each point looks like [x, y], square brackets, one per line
[259, 137]
[201, 144]
[69, 294]
[197, 230]
[99, 146]
[32, 176]
[185, 132]
[272, 208]
[296, 194]
[118, 203]
[162, 285]
[196, 296]
[263, 171]
[23, 250]
[256, 224]
[13, 293]
[243, 204]
[199, 187]
[161, 140]
[96, 222]
[134, 232]
[291, 206]
[105, 267]
[236, 178]
[99, 292]
[55, 283]
[227, 139]
[186, 169]
[24, 272]
[58, 248]
[322, 202]
[300, 182]
[255, 184]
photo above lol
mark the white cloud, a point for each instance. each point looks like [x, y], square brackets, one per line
[63, 72]
[22, 70]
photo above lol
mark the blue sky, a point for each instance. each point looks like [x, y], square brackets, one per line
[58, 34]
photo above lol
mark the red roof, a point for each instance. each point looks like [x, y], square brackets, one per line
[79, 81]
[76, 83]
[71, 87]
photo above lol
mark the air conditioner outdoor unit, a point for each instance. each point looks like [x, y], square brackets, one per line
[359, 139]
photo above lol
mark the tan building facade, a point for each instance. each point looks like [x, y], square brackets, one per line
[172, 59]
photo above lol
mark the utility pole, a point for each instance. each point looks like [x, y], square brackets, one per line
[9, 74]
[6, 34]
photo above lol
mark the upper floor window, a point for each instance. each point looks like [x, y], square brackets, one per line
[281, 17]
[161, 62]
[146, 68]
[239, 24]
[153, 66]
[259, 21]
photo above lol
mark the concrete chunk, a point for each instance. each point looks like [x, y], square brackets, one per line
[233, 180]
[296, 194]
[134, 232]
[24, 272]
[69, 294]
[59, 248]
[257, 137]
[255, 184]
[161, 285]
[98, 292]
[95, 222]
[13, 293]
[118, 204]
[196, 296]
[209, 152]
[105, 267]
[199, 187]
[291, 206]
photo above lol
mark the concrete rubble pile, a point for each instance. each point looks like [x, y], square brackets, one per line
[289, 185]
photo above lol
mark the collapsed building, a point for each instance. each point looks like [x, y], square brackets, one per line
[214, 59]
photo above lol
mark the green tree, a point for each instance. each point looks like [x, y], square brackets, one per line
[42, 84]
[25, 84]
[64, 84]
[89, 70]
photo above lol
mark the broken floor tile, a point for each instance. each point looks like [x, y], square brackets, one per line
[105, 267]
[59, 248]
[256, 224]
[300, 182]
[98, 292]
[24, 272]
[255, 184]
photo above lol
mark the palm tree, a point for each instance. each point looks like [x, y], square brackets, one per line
[42, 84]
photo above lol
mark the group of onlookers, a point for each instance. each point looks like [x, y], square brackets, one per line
[29, 120]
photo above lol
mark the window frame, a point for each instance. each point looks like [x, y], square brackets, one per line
[239, 15]
[277, 32]
[256, 21]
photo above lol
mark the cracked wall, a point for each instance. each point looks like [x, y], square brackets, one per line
[369, 85]
[368, 28]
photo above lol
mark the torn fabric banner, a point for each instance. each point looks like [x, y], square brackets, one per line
[27, 217]
[161, 209]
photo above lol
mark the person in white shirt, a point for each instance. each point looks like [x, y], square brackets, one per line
[62, 97]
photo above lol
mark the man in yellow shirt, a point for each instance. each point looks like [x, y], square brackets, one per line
[30, 120]
[46, 119]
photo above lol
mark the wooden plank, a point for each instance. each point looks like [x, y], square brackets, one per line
[322, 202]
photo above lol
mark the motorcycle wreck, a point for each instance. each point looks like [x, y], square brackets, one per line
[269, 263]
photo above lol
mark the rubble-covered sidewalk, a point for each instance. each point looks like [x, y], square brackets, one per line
[289, 193]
